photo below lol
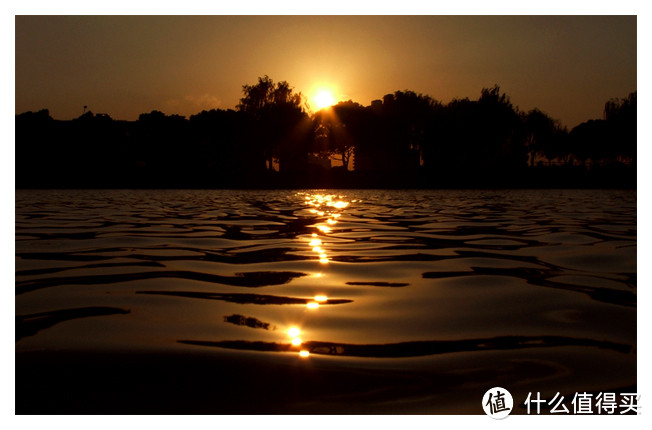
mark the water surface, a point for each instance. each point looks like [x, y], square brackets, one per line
[321, 301]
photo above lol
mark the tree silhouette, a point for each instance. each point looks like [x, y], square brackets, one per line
[275, 111]
[539, 132]
[621, 116]
[557, 147]
[333, 131]
[407, 117]
[404, 140]
[469, 142]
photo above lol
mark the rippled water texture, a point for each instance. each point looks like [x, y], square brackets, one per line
[322, 301]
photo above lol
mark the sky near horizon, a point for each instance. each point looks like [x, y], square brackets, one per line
[567, 66]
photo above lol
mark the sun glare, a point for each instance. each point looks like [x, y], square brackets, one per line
[324, 99]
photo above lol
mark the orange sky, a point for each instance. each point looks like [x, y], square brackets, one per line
[566, 66]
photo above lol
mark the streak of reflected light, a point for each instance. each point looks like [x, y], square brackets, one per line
[324, 229]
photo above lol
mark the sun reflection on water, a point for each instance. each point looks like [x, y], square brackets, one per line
[326, 205]
[330, 207]
[294, 333]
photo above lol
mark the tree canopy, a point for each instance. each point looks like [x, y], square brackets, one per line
[403, 139]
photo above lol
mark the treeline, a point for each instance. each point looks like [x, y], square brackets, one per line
[270, 140]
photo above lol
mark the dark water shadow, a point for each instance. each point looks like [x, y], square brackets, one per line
[242, 298]
[379, 284]
[50, 270]
[416, 349]
[242, 256]
[539, 278]
[65, 256]
[284, 228]
[251, 322]
[246, 279]
[29, 325]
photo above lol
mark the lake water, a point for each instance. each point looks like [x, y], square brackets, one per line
[351, 301]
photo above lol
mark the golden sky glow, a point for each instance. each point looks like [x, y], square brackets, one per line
[567, 66]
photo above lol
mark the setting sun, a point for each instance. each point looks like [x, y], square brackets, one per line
[324, 99]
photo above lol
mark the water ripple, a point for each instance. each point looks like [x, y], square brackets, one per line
[371, 273]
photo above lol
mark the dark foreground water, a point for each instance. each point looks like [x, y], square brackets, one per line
[321, 301]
